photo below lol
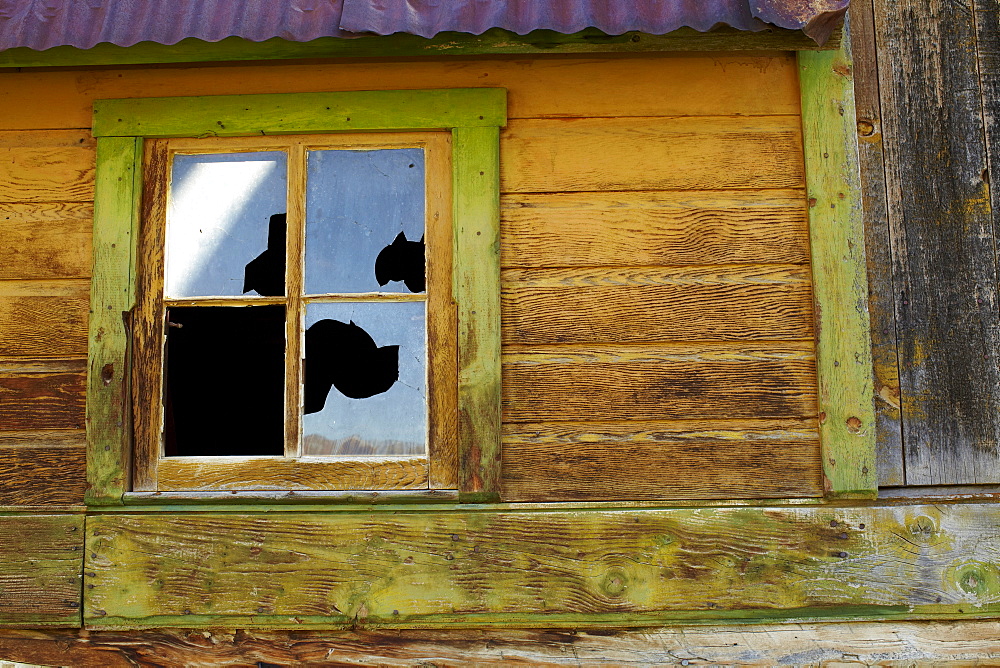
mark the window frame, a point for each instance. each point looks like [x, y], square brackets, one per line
[472, 116]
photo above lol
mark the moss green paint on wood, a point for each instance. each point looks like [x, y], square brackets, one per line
[233, 115]
[847, 417]
[476, 283]
[495, 41]
[117, 194]
[470, 567]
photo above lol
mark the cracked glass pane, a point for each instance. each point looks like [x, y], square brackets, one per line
[365, 379]
[226, 225]
[365, 221]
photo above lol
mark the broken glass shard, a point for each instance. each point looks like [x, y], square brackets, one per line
[225, 225]
[365, 379]
[365, 221]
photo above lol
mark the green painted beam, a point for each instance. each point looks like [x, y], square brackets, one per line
[468, 567]
[495, 41]
[840, 282]
[476, 282]
[235, 115]
[117, 196]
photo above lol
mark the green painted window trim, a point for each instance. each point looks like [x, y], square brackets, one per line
[840, 282]
[495, 41]
[473, 116]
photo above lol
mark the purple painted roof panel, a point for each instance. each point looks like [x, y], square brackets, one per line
[42, 24]
[429, 17]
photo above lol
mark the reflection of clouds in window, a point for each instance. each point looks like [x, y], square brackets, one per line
[393, 421]
[217, 219]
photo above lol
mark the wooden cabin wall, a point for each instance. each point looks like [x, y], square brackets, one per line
[656, 292]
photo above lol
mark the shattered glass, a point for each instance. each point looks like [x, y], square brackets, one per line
[365, 379]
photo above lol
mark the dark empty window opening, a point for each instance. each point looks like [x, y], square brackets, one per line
[224, 380]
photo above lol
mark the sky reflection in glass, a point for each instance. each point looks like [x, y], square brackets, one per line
[357, 202]
[217, 219]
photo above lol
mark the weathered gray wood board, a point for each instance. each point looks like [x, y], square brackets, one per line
[878, 249]
[41, 562]
[467, 568]
[943, 241]
[963, 643]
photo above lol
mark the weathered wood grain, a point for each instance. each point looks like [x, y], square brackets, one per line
[259, 473]
[46, 166]
[836, 226]
[878, 246]
[624, 567]
[475, 277]
[33, 399]
[659, 382]
[653, 228]
[112, 297]
[949, 643]
[41, 567]
[656, 304]
[943, 242]
[46, 240]
[693, 153]
[657, 460]
[48, 323]
[37, 475]
[643, 85]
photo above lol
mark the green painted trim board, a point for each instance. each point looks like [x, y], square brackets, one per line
[449, 44]
[840, 283]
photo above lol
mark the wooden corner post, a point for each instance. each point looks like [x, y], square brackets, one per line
[844, 361]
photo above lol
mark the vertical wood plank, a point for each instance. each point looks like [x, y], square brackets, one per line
[476, 281]
[943, 242]
[844, 363]
[112, 299]
[295, 238]
[881, 293]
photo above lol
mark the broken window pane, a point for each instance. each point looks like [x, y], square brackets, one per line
[365, 379]
[225, 225]
[365, 221]
[225, 380]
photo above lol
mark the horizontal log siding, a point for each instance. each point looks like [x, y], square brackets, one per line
[648, 201]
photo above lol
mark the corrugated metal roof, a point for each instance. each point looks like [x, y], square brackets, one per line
[42, 24]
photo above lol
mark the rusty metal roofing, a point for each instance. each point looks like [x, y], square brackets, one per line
[42, 24]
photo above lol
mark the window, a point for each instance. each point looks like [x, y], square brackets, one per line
[284, 333]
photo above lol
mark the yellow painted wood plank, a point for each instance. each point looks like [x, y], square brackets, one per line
[688, 459]
[41, 565]
[46, 166]
[643, 85]
[473, 567]
[656, 304]
[45, 240]
[692, 153]
[33, 474]
[655, 382]
[43, 326]
[836, 224]
[653, 228]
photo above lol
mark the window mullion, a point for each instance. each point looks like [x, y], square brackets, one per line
[293, 293]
